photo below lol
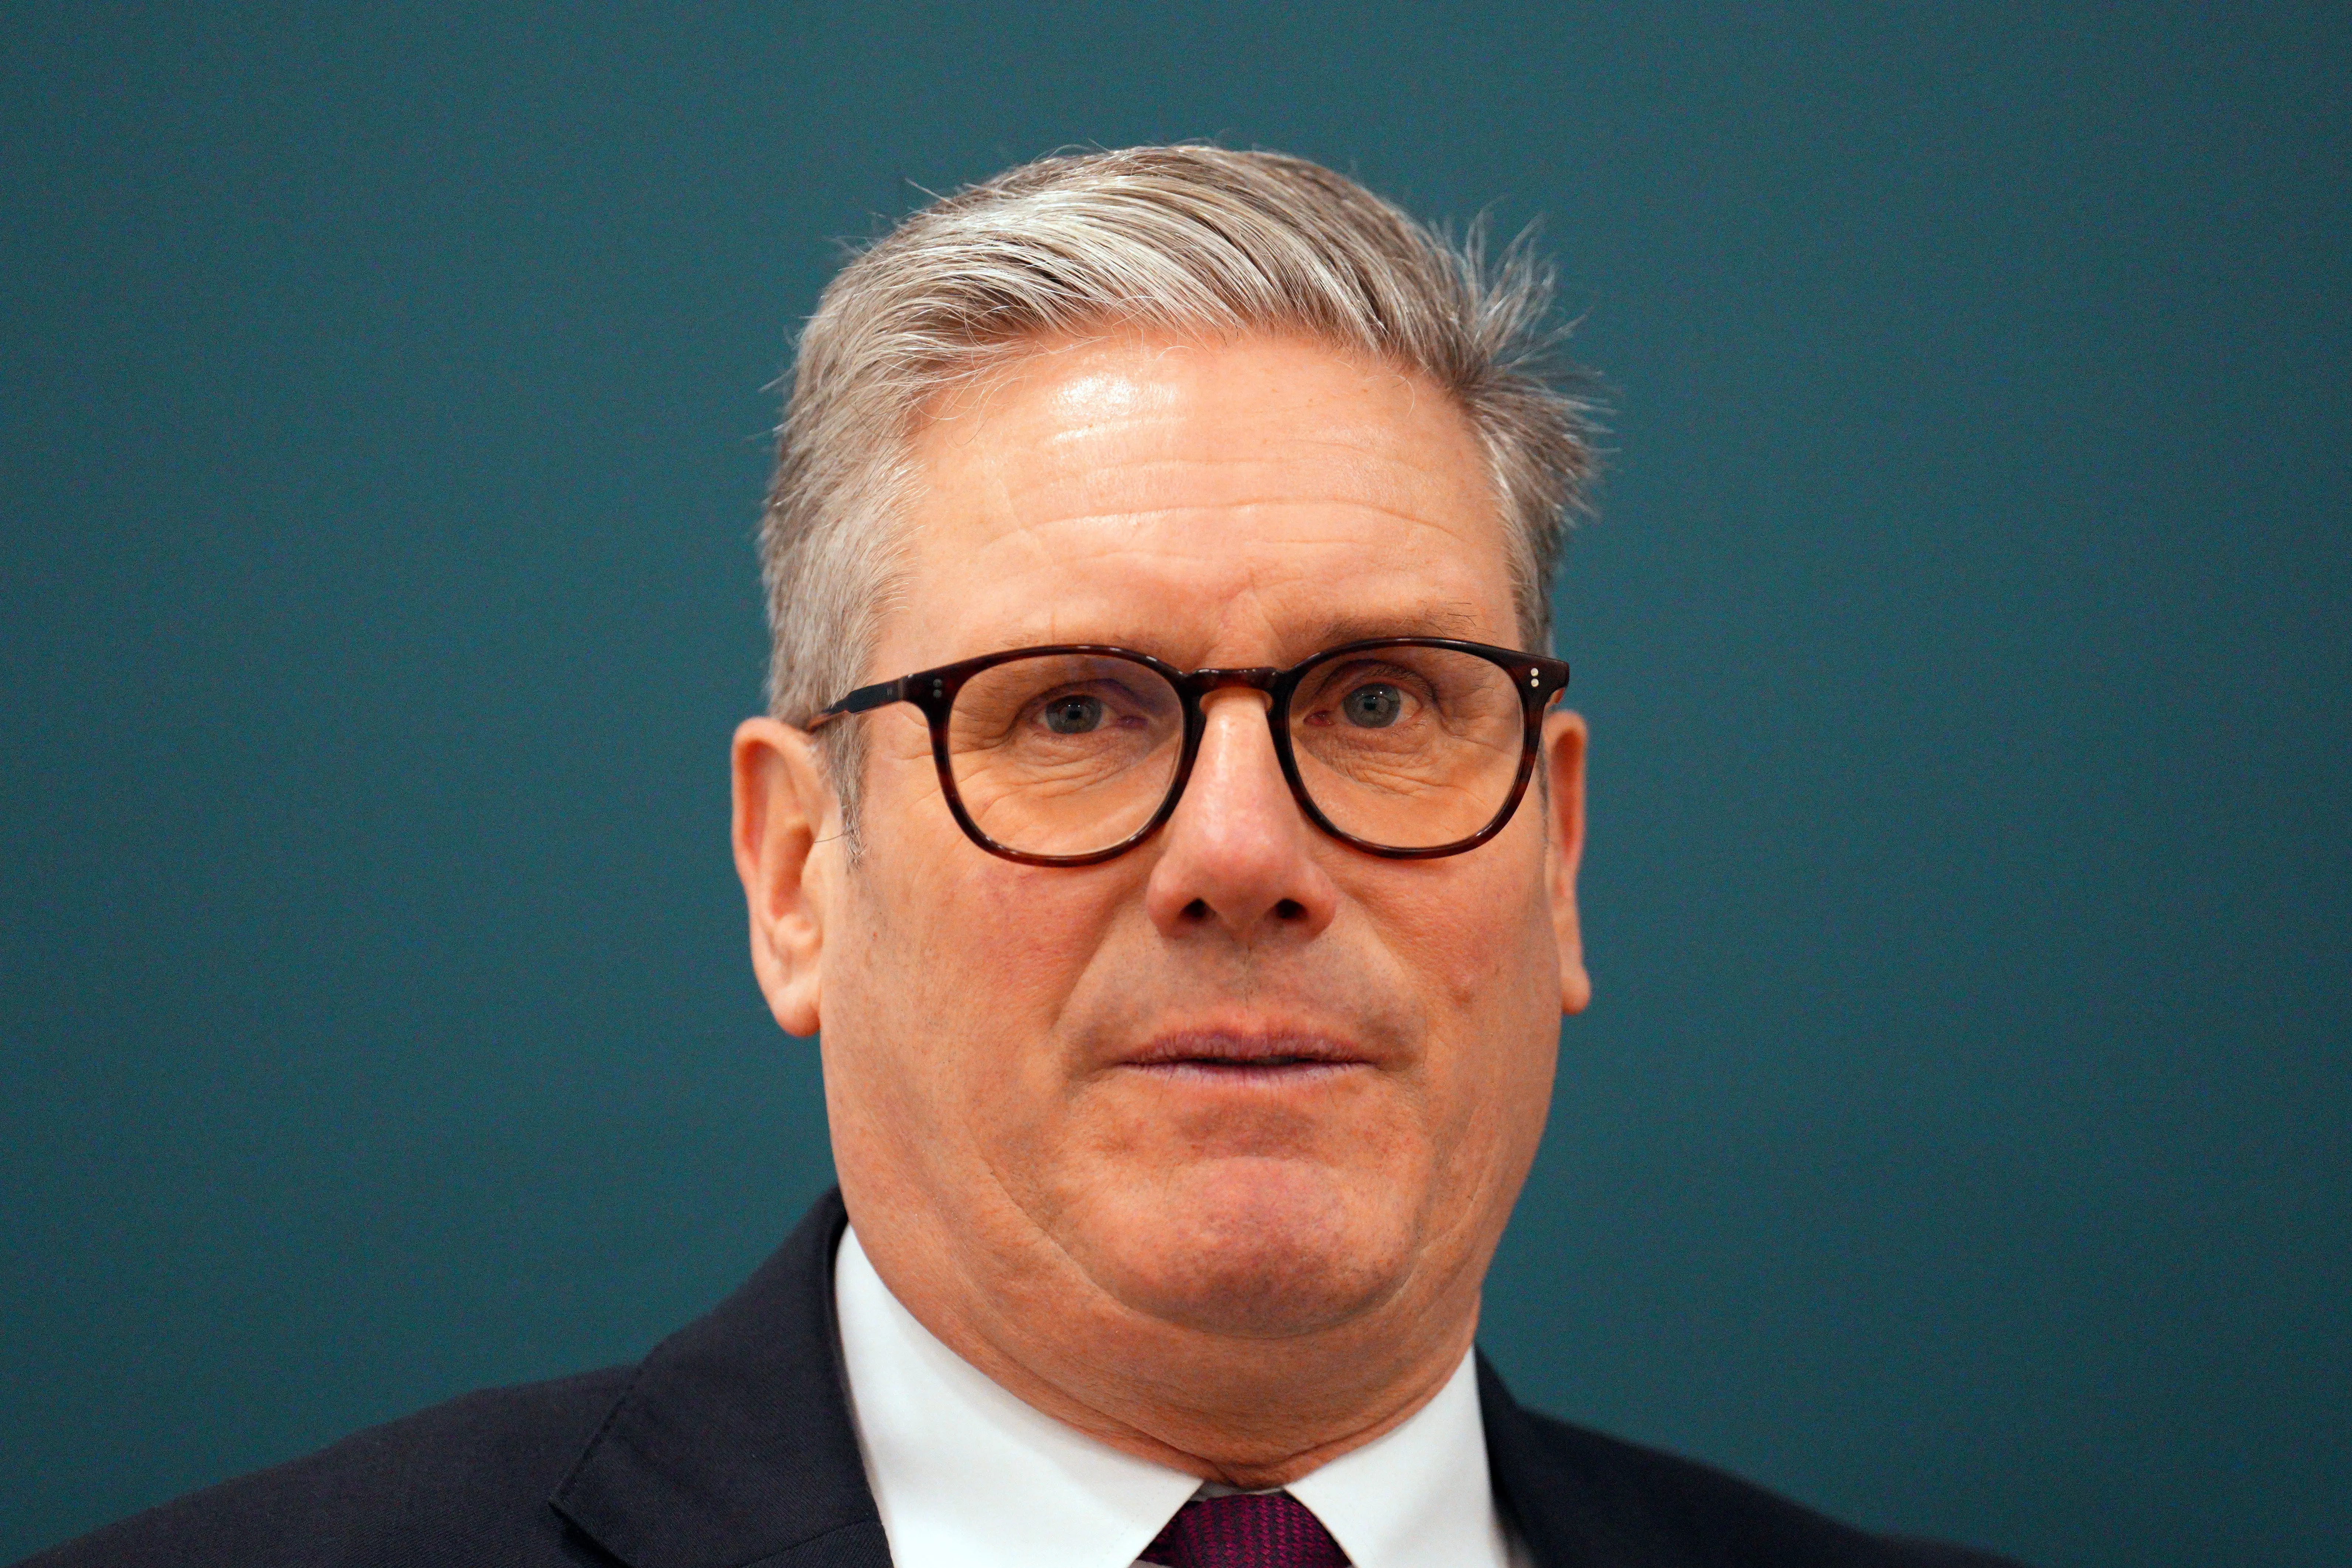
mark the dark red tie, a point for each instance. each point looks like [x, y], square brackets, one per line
[1247, 1530]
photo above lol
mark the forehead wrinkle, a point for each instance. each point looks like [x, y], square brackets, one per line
[1215, 527]
[1149, 440]
[1209, 576]
[1356, 436]
[1361, 478]
[1241, 513]
[1217, 579]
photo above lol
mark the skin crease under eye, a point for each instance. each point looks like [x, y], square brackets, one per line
[1243, 1275]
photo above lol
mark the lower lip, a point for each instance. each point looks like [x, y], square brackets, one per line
[1214, 1070]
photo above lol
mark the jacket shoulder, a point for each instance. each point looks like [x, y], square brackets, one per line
[465, 1481]
[1579, 1496]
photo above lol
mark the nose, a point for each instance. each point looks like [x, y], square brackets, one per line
[1238, 856]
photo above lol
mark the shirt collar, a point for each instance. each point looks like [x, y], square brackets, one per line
[967, 1476]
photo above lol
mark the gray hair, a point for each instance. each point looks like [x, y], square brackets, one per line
[1192, 241]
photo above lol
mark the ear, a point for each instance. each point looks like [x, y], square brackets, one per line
[1563, 764]
[783, 808]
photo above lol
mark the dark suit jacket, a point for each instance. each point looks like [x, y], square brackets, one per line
[731, 1446]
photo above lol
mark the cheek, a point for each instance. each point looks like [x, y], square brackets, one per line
[1476, 936]
[1016, 937]
[968, 961]
[958, 937]
[1477, 942]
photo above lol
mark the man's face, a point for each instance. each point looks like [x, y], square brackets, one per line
[1030, 1069]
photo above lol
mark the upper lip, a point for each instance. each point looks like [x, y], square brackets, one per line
[1251, 1048]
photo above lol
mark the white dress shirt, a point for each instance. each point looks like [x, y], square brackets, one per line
[967, 1476]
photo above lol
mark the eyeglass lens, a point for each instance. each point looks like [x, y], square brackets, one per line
[1406, 748]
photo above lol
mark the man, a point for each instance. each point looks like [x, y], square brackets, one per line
[1169, 824]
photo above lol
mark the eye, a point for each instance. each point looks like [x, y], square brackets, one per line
[1073, 715]
[1372, 707]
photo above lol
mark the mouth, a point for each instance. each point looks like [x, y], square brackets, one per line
[1237, 1057]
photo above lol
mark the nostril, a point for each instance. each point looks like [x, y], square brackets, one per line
[1198, 910]
[1290, 909]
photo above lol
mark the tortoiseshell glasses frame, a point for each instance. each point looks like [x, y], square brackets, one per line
[1536, 680]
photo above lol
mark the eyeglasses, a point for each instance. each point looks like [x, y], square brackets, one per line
[1405, 747]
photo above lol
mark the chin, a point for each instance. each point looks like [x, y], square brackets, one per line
[1258, 1248]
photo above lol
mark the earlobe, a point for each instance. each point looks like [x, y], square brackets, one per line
[782, 807]
[1564, 744]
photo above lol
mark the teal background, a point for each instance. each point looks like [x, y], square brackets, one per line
[1959, 1138]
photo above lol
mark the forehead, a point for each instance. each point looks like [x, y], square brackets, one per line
[1245, 501]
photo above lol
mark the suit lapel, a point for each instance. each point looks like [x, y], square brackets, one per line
[733, 1446]
[1550, 1503]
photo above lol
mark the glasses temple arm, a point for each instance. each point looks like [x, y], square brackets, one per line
[858, 701]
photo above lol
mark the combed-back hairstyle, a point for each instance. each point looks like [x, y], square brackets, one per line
[1189, 240]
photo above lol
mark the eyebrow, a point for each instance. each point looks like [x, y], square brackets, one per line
[1441, 619]
[1457, 619]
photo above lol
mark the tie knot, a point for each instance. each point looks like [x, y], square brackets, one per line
[1245, 1530]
